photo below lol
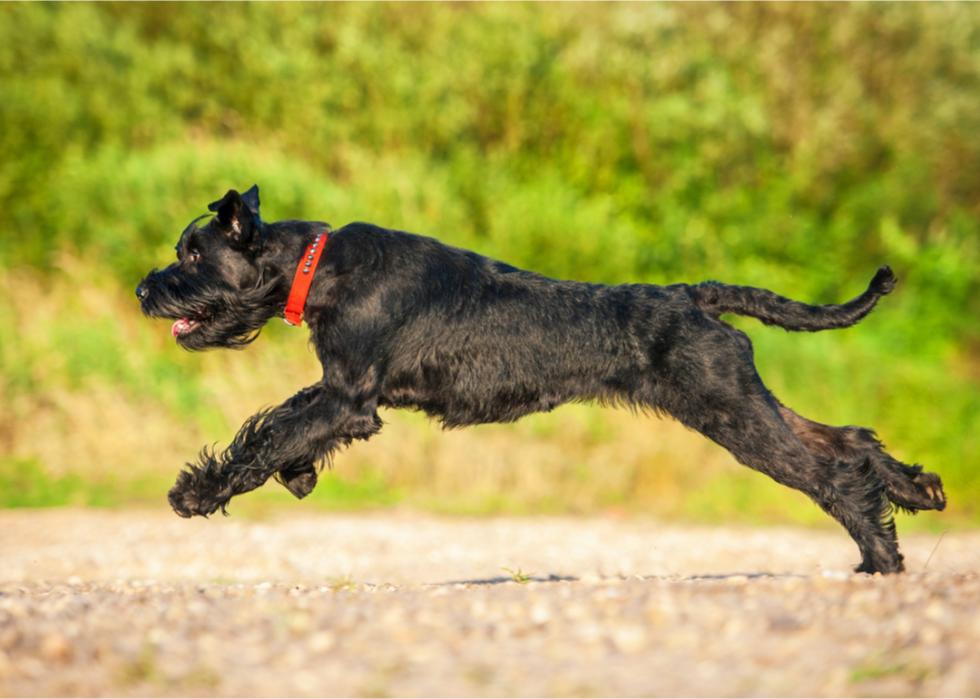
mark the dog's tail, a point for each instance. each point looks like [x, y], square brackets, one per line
[715, 298]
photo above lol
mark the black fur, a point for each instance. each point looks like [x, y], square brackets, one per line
[401, 320]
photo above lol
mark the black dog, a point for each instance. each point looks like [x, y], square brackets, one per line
[400, 320]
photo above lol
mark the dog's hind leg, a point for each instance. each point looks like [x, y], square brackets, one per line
[849, 491]
[290, 439]
[712, 386]
[907, 486]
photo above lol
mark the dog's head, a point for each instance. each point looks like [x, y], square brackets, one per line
[222, 289]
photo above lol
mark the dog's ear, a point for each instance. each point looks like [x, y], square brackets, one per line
[251, 199]
[236, 217]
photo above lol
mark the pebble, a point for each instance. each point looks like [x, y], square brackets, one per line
[935, 610]
[629, 638]
[540, 614]
[55, 647]
[322, 641]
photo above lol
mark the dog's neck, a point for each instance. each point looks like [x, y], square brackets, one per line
[303, 279]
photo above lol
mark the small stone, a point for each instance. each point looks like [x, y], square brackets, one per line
[589, 632]
[299, 622]
[935, 610]
[55, 647]
[629, 639]
[8, 637]
[540, 614]
[322, 641]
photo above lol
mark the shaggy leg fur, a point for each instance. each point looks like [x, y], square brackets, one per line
[907, 487]
[849, 491]
[290, 439]
[734, 409]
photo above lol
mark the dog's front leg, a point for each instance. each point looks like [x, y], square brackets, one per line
[290, 438]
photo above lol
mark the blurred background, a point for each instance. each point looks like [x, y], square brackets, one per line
[778, 145]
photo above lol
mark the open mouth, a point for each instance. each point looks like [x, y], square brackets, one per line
[184, 326]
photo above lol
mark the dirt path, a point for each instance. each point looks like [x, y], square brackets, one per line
[137, 603]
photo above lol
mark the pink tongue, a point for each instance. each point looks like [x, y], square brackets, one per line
[180, 326]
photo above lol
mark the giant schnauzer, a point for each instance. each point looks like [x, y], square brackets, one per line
[401, 320]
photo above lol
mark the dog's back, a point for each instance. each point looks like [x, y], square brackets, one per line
[471, 339]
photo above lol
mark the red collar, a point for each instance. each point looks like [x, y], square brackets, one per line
[303, 279]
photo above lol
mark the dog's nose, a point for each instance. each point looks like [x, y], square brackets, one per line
[141, 292]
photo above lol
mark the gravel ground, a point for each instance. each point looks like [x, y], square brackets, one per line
[134, 603]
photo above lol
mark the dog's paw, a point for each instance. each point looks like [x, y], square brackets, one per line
[300, 482]
[187, 499]
[181, 503]
[931, 487]
[917, 491]
[886, 565]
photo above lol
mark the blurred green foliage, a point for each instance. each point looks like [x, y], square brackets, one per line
[780, 145]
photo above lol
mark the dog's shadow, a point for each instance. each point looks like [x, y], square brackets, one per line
[503, 579]
[556, 578]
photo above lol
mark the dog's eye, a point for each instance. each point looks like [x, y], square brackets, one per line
[194, 255]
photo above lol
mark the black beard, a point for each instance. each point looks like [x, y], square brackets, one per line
[224, 316]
